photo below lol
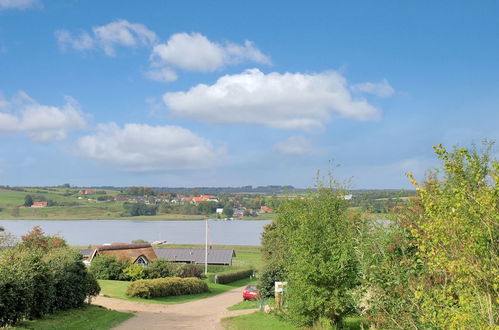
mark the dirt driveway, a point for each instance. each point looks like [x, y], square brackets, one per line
[200, 314]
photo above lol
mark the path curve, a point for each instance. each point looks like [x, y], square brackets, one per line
[200, 314]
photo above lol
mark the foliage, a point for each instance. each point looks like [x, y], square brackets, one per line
[36, 238]
[134, 272]
[313, 248]
[162, 268]
[165, 287]
[274, 251]
[140, 240]
[28, 200]
[229, 212]
[232, 276]
[267, 278]
[436, 266]
[389, 270]
[136, 209]
[70, 278]
[456, 235]
[106, 267]
[39, 276]
[189, 270]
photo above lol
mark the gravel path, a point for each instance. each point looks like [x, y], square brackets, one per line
[200, 314]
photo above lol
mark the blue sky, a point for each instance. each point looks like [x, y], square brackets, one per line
[231, 93]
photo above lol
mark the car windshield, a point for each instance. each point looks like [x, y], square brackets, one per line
[251, 287]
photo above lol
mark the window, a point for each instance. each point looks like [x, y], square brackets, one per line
[141, 261]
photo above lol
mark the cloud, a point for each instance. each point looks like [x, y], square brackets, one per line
[144, 148]
[161, 75]
[288, 101]
[19, 4]
[42, 123]
[382, 89]
[108, 37]
[297, 145]
[194, 52]
[80, 43]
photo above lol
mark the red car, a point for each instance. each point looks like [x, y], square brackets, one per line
[251, 292]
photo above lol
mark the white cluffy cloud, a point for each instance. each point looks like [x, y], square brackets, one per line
[42, 123]
[19, 4]
[289, 100]
[297, 145]
[144, 148]
[108, 37]
[381, 89]
[194, 52]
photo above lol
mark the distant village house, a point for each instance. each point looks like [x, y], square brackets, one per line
[39, 204]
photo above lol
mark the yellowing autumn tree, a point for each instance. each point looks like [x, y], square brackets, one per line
[456, 235]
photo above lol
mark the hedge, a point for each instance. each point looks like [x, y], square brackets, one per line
[166, 287]
[232, 276]
[34, 283]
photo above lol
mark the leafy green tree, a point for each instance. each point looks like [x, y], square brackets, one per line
[28, 200]
[315, 250]
[229, 212]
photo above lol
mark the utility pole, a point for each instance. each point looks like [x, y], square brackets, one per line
[206, 249]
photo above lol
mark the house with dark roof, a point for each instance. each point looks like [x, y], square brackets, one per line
[197, 256]
[140, 254]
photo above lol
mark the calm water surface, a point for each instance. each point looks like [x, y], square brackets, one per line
[84, 232]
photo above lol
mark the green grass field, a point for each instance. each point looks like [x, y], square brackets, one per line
[262, 321]
[117, 289]
[256, 321]
[10, 200]
[87, 317]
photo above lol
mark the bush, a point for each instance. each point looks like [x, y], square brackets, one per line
[106, 267]
[162, 268]
[29, 285]
[134, 272]
[232, 276]
[190, 270]
[39, 276]
[69, 277]
[166, 287]
[267, 278]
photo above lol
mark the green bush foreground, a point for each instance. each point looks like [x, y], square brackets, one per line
[42, 275]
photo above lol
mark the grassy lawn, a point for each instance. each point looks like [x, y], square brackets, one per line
[87, 317]
[257, 321]
[117, 289]
[261, 320]
[251, 304]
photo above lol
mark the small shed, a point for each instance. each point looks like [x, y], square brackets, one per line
[197, 256]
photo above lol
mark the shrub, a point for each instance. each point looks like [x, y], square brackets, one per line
[267, 278]
[29, 290]
[162, 268]
[165, 287]
[106, 267]
[39, 276]
[134, 272]
[232, 276]
[190, 270]
[70, 278]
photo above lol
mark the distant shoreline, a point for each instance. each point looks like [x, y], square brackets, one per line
[162, 217]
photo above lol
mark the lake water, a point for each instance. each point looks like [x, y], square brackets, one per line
[84, 232]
